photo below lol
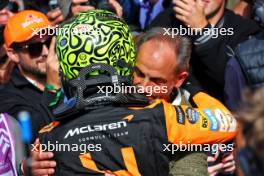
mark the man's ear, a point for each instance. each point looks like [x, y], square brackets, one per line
[181, 78]
[12, 54]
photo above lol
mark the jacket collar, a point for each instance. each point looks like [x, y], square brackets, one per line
[19, 80]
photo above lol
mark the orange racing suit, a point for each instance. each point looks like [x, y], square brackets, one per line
[125, 141]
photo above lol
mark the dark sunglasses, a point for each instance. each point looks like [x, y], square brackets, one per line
[35, 48]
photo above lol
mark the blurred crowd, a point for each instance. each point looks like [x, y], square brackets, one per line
[229, 68]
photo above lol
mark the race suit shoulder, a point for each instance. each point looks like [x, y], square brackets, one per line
[130, 141]
[211, 123]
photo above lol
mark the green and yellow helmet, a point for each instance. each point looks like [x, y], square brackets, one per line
[95, 36]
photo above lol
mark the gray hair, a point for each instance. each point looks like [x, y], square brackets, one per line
[181, 44]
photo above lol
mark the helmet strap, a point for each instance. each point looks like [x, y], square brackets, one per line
[82, 84]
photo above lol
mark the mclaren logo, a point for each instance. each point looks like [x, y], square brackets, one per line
[91, 128]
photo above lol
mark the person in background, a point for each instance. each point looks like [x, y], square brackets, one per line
[29, 51]
[53, 12]
[251, 119]
[12, 151]
[12, 148]
[78, 6]
[131, 13]
[212, 49]
[7, 9]
[245, 68]
[244, 8]
[149, 9]
[59, 10]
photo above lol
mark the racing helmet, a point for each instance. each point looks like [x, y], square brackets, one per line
[94, 48]
[95, 36]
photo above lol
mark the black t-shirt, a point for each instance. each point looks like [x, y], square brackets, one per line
[20, 95]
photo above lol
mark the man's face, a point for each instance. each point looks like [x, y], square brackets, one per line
[212, 7]
[34, 64]
[156, 67]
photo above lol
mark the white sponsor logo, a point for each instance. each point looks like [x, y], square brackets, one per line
[91, 128]
[232, 122]
[223, 124]
[30, 20]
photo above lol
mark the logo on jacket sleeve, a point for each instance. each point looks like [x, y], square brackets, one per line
[192, 115]
[180, 115]
[49, 127]
[212, 118]
[204, 123]
[223, 123]
[128, 118]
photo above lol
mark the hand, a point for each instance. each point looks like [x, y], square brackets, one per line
[229, 163]
[76, 7]
[118, 8]
[52, 66]
[215, 169]
[5, 15]
[41, 164]
[190, 12]
[55, 16]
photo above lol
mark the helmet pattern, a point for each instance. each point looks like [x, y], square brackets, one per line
[95, 36]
